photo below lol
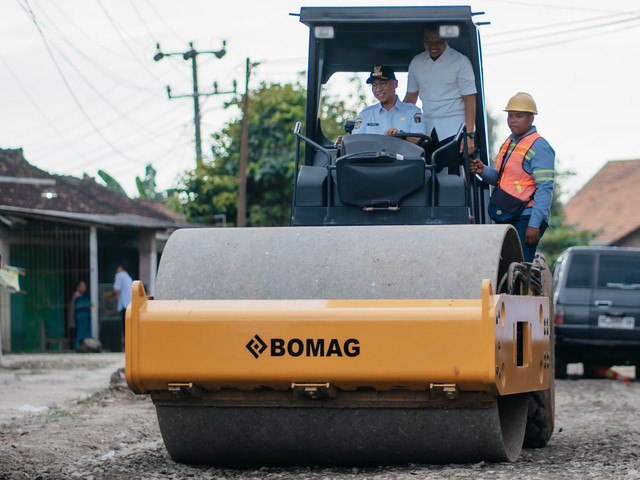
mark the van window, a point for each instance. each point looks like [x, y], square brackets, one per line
[580, 272]
[619, 271]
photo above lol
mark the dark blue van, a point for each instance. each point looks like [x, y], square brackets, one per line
[597, 307]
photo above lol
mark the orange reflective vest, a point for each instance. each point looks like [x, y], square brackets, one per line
[513, 178]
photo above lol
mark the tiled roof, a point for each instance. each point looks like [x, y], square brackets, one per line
[608, 203]
[68, 194]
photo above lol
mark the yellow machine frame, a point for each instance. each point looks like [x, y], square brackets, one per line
[490, 344]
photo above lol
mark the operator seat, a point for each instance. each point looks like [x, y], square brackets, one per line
[378, 169]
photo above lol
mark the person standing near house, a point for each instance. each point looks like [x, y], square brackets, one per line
[81, 313]
[122, 289]
[524, 178]
[80, 290]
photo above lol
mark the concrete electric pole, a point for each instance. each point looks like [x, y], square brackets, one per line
[192, 54]
[241, 218]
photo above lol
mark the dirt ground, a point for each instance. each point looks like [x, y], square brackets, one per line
[72, 416]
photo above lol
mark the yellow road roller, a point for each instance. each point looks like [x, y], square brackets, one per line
[390, 323]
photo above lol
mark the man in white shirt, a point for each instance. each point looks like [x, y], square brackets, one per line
[443, 79]
[390, 115]
[122, 288]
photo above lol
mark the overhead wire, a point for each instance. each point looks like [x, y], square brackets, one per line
[164, 22]
[540, 28]
[117, 29]
[555, 6]
[123, 115]
[86, 36]
[109, 73]
[537, 46]
[68, 85]
[58, 132]
[153, 38]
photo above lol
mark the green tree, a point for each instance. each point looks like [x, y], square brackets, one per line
[147, 185]
[111, 182]
[561, 235]
[212, 189]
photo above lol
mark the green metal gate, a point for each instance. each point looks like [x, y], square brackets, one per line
[55, 259]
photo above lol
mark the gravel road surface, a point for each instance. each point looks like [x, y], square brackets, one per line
[72, 416]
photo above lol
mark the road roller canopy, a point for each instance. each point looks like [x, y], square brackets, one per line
[380, 182]
[353, 39]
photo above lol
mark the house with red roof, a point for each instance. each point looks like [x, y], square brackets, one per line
[609, 205]
[58, 230]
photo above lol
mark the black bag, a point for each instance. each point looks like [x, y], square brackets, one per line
[504, 207]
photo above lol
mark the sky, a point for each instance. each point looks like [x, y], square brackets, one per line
[80, 90]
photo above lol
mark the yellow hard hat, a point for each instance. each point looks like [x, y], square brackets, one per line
[521, 102]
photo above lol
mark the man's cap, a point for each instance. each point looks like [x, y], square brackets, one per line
[381, 72]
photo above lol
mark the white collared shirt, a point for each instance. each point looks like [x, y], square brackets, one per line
[406, 117]
[441, 85]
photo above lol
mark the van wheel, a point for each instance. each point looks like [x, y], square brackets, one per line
[589, 370]
[560, 368]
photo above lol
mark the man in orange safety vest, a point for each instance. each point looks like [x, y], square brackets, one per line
[524, 176]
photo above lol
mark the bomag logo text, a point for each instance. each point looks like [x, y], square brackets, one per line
[307, 347]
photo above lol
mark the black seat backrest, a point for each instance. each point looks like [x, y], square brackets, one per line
[367, 142]
[378, 170]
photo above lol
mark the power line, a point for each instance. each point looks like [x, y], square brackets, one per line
[555, 43]
[85, 35]
[538, 29]
[117, 29]
[122, 115]
[553, 6]
[164, 22]
[68, 86]
[141, 18]
[89, 60]
[37, 107]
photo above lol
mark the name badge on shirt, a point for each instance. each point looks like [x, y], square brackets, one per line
[373, 124]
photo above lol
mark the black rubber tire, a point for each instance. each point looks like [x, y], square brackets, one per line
[541, 405]
[540, 420]
[560, 368]
[588, 370]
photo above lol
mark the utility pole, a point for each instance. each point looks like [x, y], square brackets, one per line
[192, 54]
[241, 218]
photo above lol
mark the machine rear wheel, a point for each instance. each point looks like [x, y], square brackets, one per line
[541, 411]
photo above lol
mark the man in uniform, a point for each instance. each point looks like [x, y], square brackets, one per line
[526, 166]
[443, 79]
[390, 115]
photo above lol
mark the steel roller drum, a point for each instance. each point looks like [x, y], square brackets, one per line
[365, 262]
[381, 262]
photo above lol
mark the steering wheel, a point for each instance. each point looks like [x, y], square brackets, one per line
[423, 139]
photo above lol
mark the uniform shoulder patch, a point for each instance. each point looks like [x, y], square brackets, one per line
[417, 117]
[358, 123]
